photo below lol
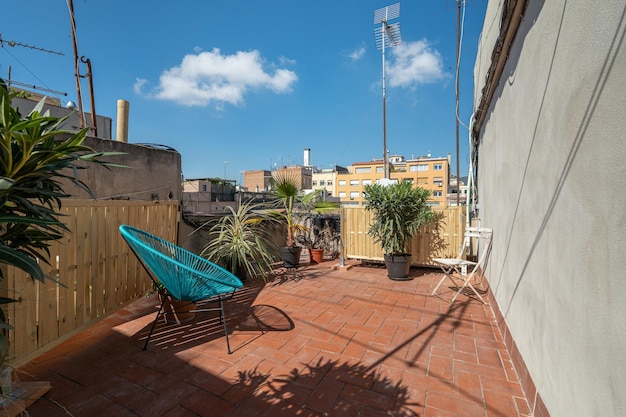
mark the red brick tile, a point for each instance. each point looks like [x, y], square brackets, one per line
[376, 338]
[500, 404]
[368, 397]
[207, 404]
[458, 404]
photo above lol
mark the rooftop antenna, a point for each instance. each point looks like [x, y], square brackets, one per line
[14, 43]
[387, 36]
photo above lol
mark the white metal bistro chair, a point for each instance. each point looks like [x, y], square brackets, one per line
[462, 270]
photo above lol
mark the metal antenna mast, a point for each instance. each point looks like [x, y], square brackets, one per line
[387, 36]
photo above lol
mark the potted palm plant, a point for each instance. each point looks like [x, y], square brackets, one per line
[286, 190]
[399, 210]
[241, 243]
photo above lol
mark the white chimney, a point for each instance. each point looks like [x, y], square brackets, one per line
[122, 120]
[307, 157]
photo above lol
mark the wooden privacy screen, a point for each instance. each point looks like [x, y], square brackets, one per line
[441, 239]
[96, 268]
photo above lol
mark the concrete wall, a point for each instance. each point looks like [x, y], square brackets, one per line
[551, 180]
[153, 173]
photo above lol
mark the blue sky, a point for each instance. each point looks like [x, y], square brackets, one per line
[246, 85]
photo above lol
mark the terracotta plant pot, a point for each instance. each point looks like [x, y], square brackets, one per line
[317, 255]
[178, 312]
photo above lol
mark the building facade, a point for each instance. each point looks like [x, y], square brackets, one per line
[326, 180]
[208, 195]
[426, 172]
[257, 181]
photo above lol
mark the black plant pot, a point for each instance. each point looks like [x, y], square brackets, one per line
[398, 267]
[290, 256]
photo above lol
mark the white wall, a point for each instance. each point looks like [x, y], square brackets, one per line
[552, 183]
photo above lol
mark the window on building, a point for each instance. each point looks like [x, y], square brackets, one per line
[366, 182]
[354, 194]
[322, 182]
[342, 183]
[422, 180]
[329, 182]
[342, 194]
[203, 187]
[438, 167]
[418, 168]
[363, 170]
[314, 183]
[380, 169]
[354, 183]
[438, 181]
[409, 180]
[437, 193]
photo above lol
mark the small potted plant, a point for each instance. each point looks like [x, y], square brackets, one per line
[324, 242]
[399, 210]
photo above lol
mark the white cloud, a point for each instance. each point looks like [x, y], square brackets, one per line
[139, 84]
[357, 53]
[210, 78]
[286, 61]
[414, 63]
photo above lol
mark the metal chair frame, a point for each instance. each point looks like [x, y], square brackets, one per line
[461, 269]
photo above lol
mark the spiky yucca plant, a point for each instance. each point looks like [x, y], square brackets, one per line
[242, 240]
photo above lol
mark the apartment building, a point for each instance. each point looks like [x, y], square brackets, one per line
[326, 179]
[257, 181]
[424, 171]
[208, 195]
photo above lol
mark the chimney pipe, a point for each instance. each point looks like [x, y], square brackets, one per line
[307, 157]
[123, 107]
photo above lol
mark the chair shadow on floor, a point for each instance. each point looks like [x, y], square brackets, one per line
[242, 316]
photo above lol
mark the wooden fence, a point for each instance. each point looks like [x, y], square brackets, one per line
[94, 267]
[441, 239]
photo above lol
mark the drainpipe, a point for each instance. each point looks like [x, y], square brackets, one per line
[511, 20]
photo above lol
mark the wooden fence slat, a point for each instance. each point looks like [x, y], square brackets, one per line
[95, 264]
[439, 240]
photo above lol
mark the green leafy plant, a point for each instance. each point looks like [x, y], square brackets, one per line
[290, 199]
[242, 241]
[33, 161]
[399, 210]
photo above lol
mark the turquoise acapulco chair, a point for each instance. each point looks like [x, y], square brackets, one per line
[181, 274]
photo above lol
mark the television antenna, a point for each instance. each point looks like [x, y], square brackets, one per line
[387, 36]
[14, 43]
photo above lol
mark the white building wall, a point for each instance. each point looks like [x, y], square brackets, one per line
[551, 179]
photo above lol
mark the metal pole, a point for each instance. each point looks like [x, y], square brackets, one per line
[92, 101]
[79, 97]
[456, 113]
[385, 162]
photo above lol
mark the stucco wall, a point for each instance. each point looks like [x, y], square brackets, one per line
[152, 174]
[551, 184]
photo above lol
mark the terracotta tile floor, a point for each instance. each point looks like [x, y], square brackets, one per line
[334, 343]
